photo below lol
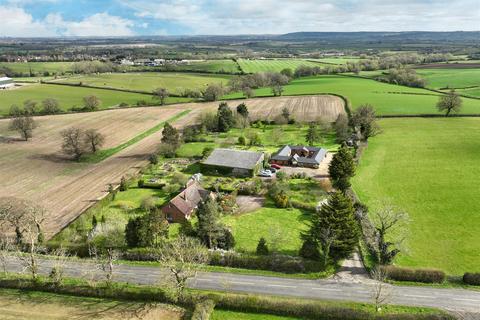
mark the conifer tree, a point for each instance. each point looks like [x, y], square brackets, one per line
[341, 169]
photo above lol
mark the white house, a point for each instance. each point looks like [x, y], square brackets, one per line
[6, 83]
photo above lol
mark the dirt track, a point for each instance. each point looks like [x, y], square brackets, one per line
[36, 170]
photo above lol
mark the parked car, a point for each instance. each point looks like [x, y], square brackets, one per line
[265, 173]
[275, 166]
[272, 170]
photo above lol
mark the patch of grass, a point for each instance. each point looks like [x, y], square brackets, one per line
[274, 65]
[148, 81]
[280, 227]
[450, 78]
[388, 99]
[103, 154]
[212, 66]
[69, 97]
[429, 168]
[306, 191]
[38, 67]
[234, 315]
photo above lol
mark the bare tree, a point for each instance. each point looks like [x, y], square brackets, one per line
[248, 92]
[161, 94]
[58, 268]
[50, 106]
[180, 256]
[91, 103]
[381, 291]
[6, 248]
[73, 142]
[25, 124]
[277, 90]
[104, 249]
[93, 139]
[389, 222]
[449, 102]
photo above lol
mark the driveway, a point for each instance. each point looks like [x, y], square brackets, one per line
[249, 203]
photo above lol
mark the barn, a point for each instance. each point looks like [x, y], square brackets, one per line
[6, 83]
[234, 162]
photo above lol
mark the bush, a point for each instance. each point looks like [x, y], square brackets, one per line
[309, 250]
[153, 158]
[123, 184]
[172, 188]
[203, 310]
[302, 205]
[414, 275]
[262, 248]
[141, 183]
[242, 141]
[472, 278]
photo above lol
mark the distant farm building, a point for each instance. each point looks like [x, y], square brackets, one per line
[301, 156]
[6, 83]
[184, 204]
[234, 162]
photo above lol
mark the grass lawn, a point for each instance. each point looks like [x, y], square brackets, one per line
[234, 315]
[450, 78]
[280, 227]
[274, 65]
[429, 168]
[69, 97]
[38, 67]
[148, 81]
[388, 99]
[32, 305]
[213, 66]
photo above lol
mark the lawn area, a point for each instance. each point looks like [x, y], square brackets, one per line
[69, 97]
[429, 168]
[30, 305]
[280, 227]
[274, 65]
[148, 81]
[38, 67]
[450, 78]
[234, 315]
[388, 99]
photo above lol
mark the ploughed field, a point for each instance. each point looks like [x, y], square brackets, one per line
[429, 167]
[38, 171]
[16, 304]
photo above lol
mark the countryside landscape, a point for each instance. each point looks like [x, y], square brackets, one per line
[299, 164]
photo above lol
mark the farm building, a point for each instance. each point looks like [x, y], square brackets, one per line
[6, 83]
[182, 206]
[234, 162]
[300, 156]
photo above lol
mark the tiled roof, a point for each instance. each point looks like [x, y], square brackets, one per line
[232, 158]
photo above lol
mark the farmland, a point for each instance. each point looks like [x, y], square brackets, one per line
[69, 97]
[36, 170]
[388, 99]
[38, 67]
[274, 65]
[175, 83]
[211, 66]
[466, 81]
[429, 168]
[16, 304]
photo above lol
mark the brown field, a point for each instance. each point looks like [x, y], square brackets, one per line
[32, 306]
[36, 170]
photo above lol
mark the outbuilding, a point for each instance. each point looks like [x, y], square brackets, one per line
[234, 162]
[6, 83]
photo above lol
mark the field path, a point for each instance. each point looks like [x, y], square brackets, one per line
[36, 170]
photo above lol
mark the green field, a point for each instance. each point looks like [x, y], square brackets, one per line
[450, 78]
[38, 67]
[148, 81]
[430, 168]
[234, 315]
[213, 66]
[388, 99]
[69, 96]
[274, 65]
[280, 227]
[336, 60]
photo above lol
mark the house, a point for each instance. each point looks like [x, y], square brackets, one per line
[6, 83]
[234, 162]
[301, 156]
[184, 204]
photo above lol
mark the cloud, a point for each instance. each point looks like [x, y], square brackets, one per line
[16, 22]
[281, 16]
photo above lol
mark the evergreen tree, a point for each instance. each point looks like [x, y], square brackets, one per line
[341, 169]
[209, 228]
[94, 222]
[242, 110]
[170, 135]
[313, 134]
[133, 232]
[262, 248]
[225, 117]
[337, 216]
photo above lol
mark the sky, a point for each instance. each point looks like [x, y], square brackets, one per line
[48, 18]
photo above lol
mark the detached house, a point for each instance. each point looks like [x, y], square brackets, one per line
[184, 204]
[301, 156]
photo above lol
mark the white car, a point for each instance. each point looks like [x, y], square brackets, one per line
[265, 173]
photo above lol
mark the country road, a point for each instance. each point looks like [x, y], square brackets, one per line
[458, 300]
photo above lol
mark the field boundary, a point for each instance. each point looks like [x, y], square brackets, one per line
[104, 154]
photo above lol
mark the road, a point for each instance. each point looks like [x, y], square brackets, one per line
[459, 300]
